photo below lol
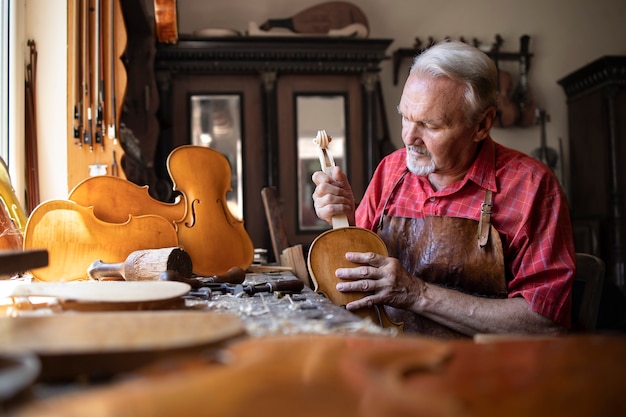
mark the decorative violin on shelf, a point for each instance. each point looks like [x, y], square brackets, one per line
[321, 19]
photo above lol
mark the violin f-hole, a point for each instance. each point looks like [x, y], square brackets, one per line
[193, 213]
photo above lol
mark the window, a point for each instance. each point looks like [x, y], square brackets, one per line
[4, 79]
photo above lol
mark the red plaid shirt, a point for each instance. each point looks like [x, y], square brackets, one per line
[530, 212]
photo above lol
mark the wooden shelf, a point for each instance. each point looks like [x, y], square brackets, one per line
[495, 52]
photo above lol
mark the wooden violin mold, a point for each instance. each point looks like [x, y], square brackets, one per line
[75, 237]
[215, 239]
[128, 199]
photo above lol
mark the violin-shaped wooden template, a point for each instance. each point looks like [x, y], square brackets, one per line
[115, 199]
[327, 252]
[75, 237]
[214, 238]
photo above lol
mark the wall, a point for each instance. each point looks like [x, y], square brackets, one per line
[564, 37]
[45, 24]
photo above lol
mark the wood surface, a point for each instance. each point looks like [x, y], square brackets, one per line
[100, 344]
[328, 250]
[114, 331]
[129, 199]
[321, 18]
[214, 238]
[96, 291]
[336, 376]
[74, 238]
[327, 253]
[17, 261]
[275, 222]
[166, 20]
[144, 265]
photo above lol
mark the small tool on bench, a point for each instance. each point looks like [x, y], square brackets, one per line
[148, 264]
[143, 265]
[206, 287]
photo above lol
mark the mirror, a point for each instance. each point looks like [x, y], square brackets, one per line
[314, 113]
[216, 123]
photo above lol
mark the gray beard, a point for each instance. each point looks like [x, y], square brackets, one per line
[417, 168]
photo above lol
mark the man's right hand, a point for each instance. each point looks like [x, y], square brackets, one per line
[333, 196]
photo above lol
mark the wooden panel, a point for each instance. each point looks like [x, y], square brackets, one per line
[249, 89]
[597, 134]
[288, 87]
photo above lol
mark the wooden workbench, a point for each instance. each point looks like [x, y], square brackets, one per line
[303, 356]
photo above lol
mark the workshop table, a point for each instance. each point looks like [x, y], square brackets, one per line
[282, 313]
[301, 355]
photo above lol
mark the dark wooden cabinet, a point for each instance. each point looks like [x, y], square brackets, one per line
[596, 101]
[269, 81]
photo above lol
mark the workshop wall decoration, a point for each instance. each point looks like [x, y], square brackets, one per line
[516, 106]
[96, 87]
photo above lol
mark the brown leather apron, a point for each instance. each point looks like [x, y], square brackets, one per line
[462, 254]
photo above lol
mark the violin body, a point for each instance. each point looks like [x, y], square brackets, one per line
[328, 250]
[327, 253]
[214, 238]
[74, 237]
[129, 199]
[321, 18]
[166, 21]
[507, 111]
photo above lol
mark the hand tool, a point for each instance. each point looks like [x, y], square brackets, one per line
[234, 275]
[292, 285]
[143, 265]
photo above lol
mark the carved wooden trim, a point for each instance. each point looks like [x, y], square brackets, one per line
[602, 72]
[312, 55]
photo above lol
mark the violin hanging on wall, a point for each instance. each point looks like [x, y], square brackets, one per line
[507, 112]
[523, 95]
[166, 21]
[544, 153]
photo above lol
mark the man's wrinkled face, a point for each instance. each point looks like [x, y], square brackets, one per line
[434, 131]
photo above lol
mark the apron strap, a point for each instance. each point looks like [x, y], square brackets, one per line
[485, 220]
[393, 191]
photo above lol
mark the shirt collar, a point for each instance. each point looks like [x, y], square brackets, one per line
[483, 170]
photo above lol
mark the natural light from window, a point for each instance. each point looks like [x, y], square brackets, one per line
[4, 80]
